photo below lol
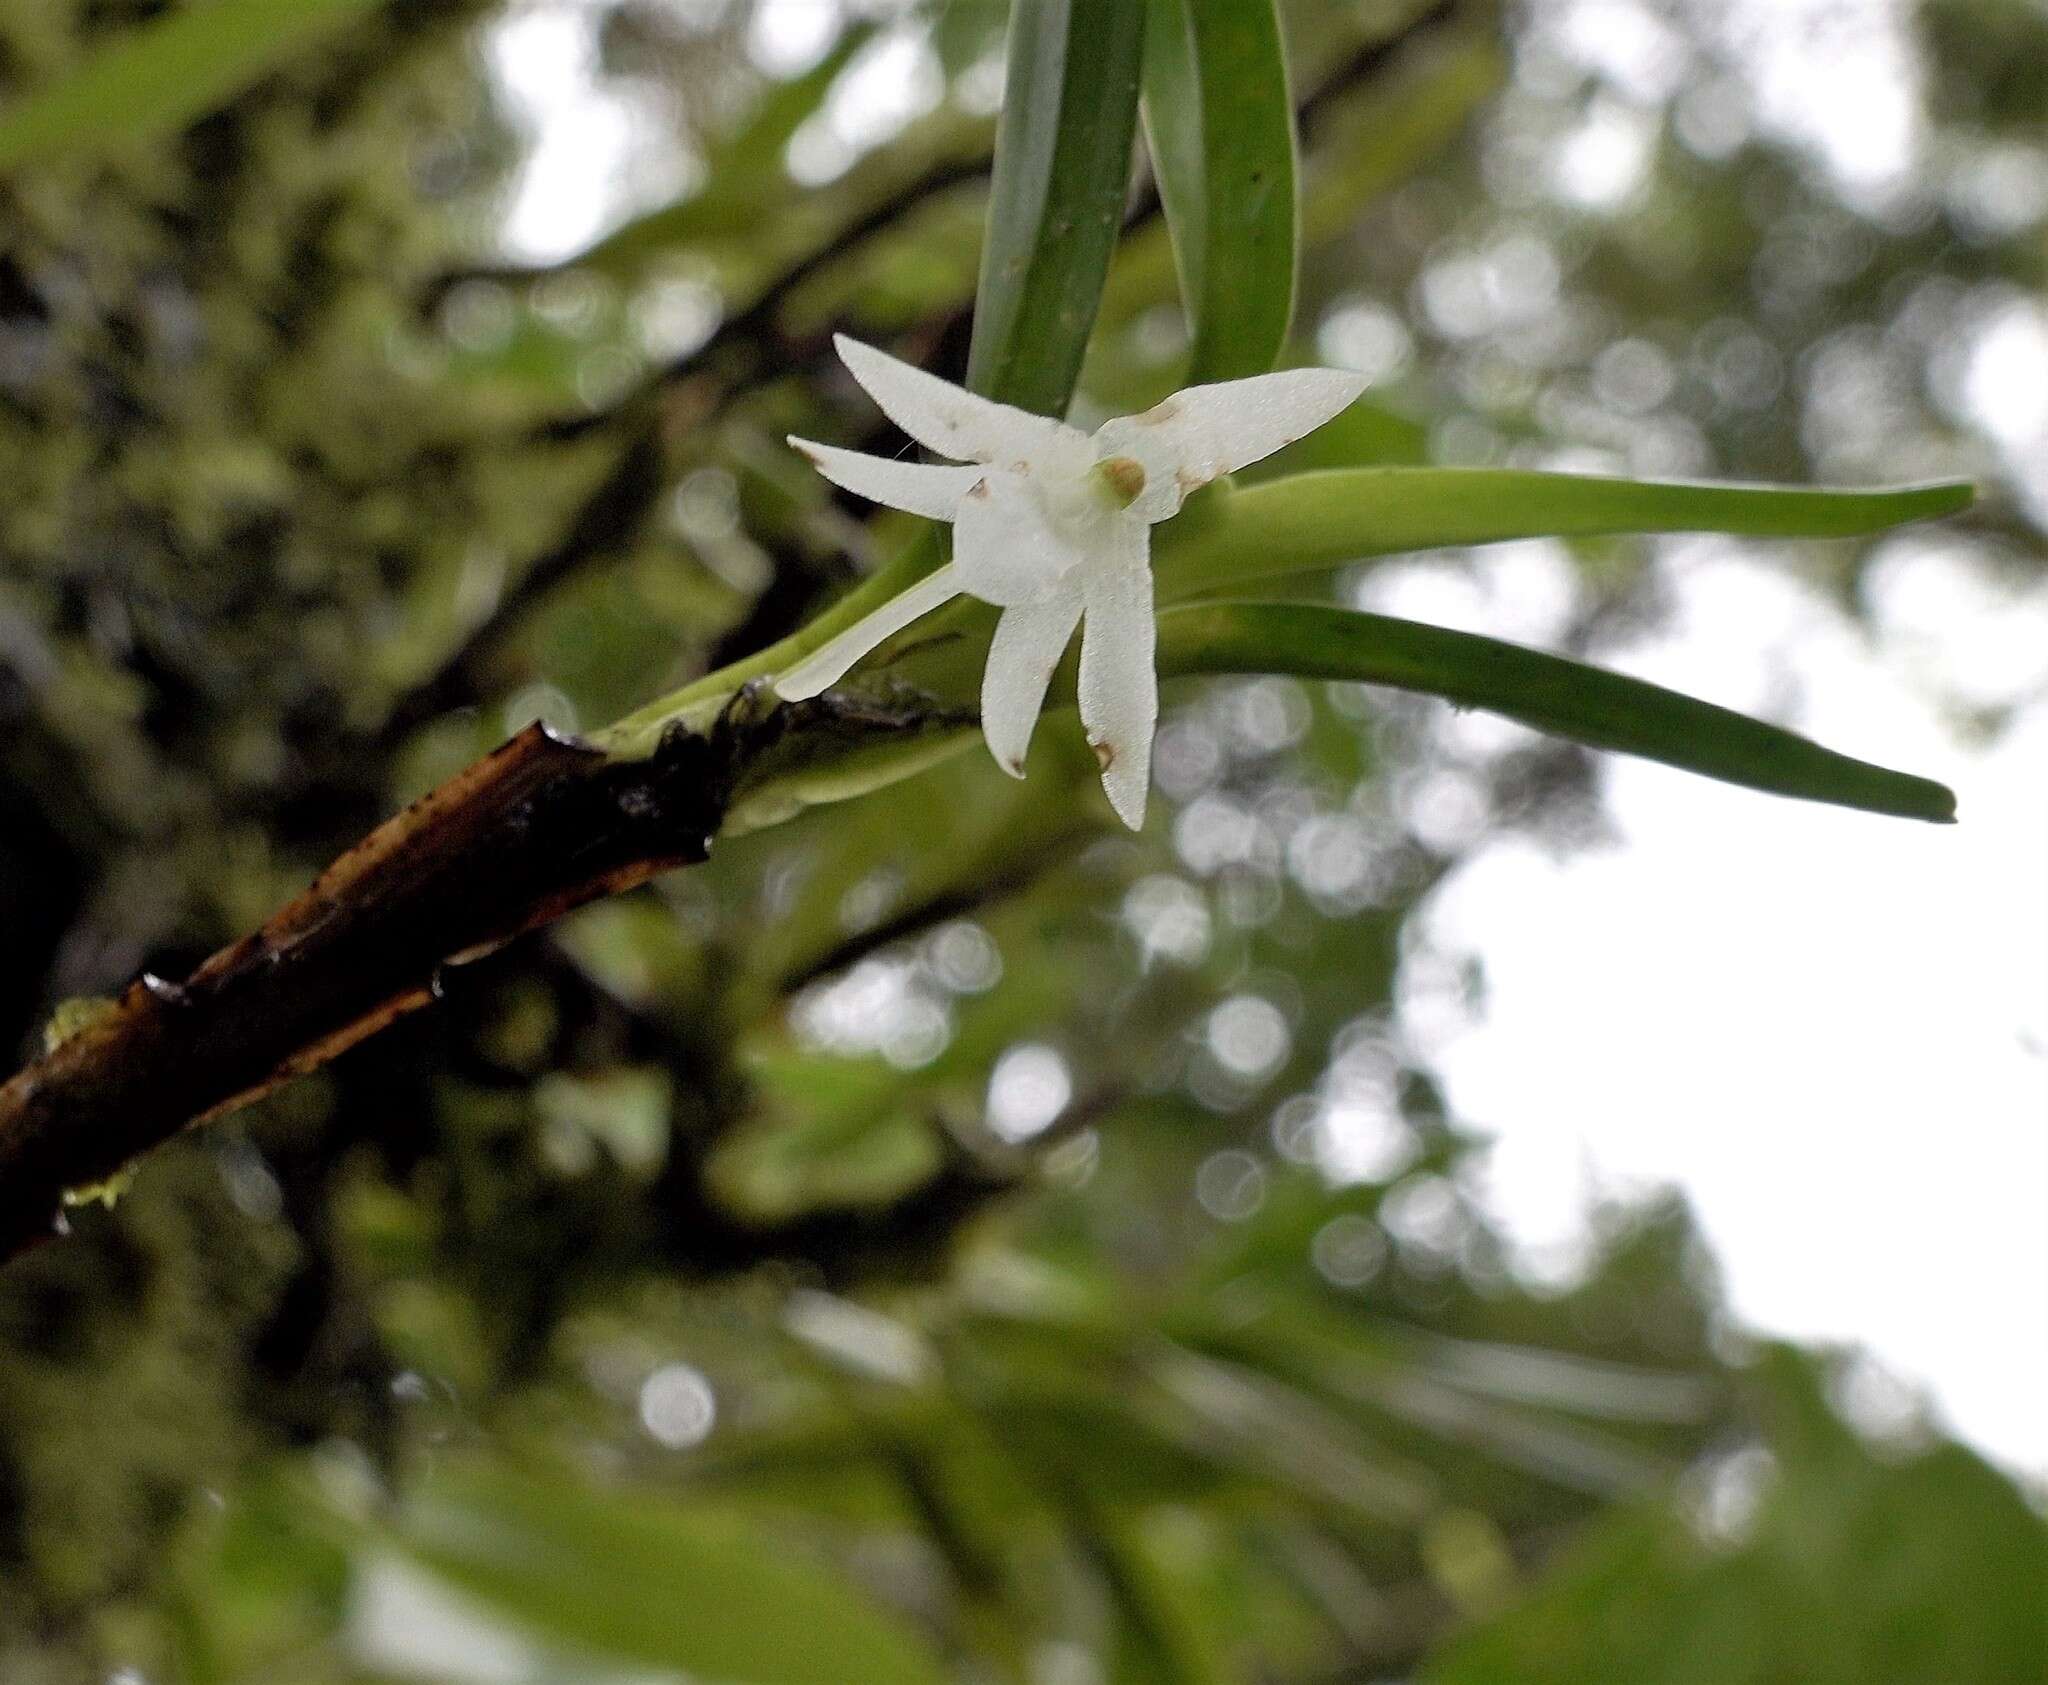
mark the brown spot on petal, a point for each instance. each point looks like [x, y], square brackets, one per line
[1105, 753]
[979, 490]
[1161, 413]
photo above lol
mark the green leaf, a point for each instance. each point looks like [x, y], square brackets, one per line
[260, 1578]
[1566, 698]
[1062, 170]
[1319, 520]
[1380, 137]
[774, 1169]
[830, 1130]
[1924, 1566]
[160, 77]
[1219, 119]
[653, 1583]
[1160, 1636]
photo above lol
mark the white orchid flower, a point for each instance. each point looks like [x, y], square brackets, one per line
[1054, 526]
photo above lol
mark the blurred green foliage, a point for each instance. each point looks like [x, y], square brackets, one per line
[1052, 1245]
[1815, 1561]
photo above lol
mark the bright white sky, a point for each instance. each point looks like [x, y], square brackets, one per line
[1829, 1030]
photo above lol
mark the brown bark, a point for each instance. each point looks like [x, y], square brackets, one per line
[539, 826]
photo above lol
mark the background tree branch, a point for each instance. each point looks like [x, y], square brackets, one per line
[538, 827]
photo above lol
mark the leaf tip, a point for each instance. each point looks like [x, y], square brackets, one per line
[1923, 799]
[1946, 497]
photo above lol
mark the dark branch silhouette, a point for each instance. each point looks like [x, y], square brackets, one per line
[541, 825]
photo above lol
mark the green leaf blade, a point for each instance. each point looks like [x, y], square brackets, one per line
[158, 78]
[1062, 170]
[1564, 698]
[1317, 520]
[653, 1583]
[1219, 121]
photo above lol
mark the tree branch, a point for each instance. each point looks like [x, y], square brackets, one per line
[543, 824]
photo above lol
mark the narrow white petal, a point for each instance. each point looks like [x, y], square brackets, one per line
[1007, 547]
[828, 663]
[1208, 431]
[944, 417]
[1029, 641]
[921, 488]
[1119, 687]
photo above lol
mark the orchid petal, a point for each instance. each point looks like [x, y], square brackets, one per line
[1206, 432]
[919, 487]
[1008, 549]
[948, 418]
[1030, 639]
[1119, 688]
[828, 663]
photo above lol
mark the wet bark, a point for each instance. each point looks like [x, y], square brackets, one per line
[542, 825]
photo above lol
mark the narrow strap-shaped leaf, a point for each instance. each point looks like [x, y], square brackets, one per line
[1062, 170]
[653, 1583]
[1219, 120]
[1317, 520]
[163, 75]
[1160, 1635]
[1565, 698]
